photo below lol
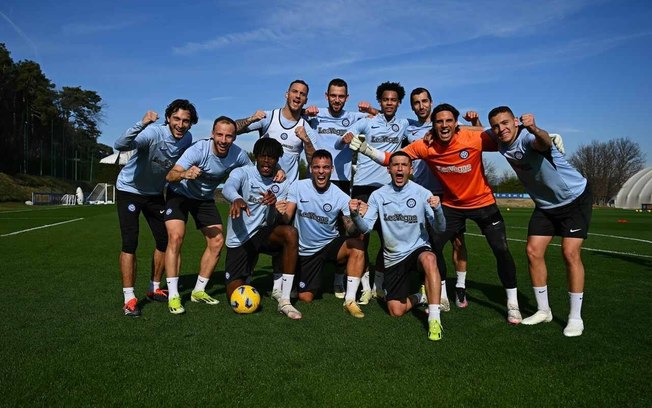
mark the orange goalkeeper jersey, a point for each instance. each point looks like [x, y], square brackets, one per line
[459, 167]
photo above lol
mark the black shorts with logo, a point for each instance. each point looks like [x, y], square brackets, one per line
[204, 212]
[129, 207]
[397, 277]
[240, 261]
[569, 221]
[309, 268]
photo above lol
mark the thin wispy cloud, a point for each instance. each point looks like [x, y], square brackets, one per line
[21, 33]
[86, 28]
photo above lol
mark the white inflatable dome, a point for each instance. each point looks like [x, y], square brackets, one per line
[636, 191]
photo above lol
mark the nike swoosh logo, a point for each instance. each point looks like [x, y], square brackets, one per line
[542, 291]
[575, 230]
[387, 203]
[161, 212]
[304, 201]
[375, 127]
[495, 223]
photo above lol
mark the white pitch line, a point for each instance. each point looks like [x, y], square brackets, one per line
[42, 226]
[619, 237]
[39, 208]
[605, 235]
[583, 248]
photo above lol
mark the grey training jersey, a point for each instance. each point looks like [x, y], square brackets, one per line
[403, 213]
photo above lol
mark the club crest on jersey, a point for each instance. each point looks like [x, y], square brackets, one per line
[131, 207]
[464, 154]
[411, 203]
[284, 136]
[169, 211]
[275, 188]
[518, 155]
[327, 207]
[345, 122]
[302, 285]
[227, 275]
[395, 127]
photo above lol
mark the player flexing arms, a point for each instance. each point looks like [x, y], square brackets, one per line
[562, 200]
[140, 189]
[252, 227]
[286, 125]
[193, 181]
[331, 124]
[421, 102]
[316, 206]
[403, 208]
[385, 132]
[455, 155]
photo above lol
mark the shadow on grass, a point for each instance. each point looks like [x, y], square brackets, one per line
[626, 258]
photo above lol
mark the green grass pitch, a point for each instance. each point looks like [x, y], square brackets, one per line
[65, 341]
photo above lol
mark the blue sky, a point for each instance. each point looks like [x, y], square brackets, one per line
[582, 67]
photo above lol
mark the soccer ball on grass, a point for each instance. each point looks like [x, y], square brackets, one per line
[245, 299]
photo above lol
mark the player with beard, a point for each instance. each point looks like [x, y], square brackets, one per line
[421, 102]
[316, 206]
[563, 205]
[288, 126]
[385, 132]
[331, 124]
[403, 208]
[191, 189]
[252, 227]
[140, 189]
[455, 155]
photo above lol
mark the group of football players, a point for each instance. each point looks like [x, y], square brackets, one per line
[414, 181]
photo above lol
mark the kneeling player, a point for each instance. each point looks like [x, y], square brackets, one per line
[403, 208]
[251, 228]
[316, 206]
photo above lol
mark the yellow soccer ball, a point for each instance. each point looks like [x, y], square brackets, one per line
[245, 299]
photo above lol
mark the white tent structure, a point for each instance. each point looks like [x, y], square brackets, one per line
[120, 158]
[637, 191]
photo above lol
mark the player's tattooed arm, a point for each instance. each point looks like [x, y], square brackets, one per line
[349, 227]
[285, 211]
[241, 125]
[301, 133]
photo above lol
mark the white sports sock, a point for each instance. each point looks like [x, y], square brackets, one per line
[286, 285]
[365, 281]
[434, 312]
[173, 289]
[352, 285]
[444, 295]
[338, 279]
[541, 295]
[575, 305]
[154, 286]
[461, 280]
[201, 283]
[278, 282]
[379, 278]
[128, 293]
[512, 298]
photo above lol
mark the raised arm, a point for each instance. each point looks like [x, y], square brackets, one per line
[242, 125]
[302, 134]
[542, 141]
[127, 141]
